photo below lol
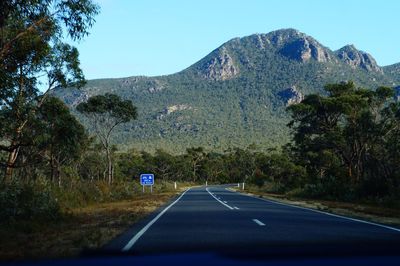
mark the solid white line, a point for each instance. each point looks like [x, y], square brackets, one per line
[258, 222]
[236, 208]
[144, 229]
[327, 213]
[226, 205]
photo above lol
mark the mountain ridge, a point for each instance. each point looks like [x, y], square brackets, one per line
[237, 94]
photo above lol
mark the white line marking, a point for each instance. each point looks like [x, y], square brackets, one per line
[327, 213]
[226, 205]
[144, 229]
[225, 202]
[236, 208]
[258, 222]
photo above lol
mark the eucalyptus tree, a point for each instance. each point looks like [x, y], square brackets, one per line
[105, 113]
[195, 156]
[346, 135]
[62, 137]
[34, 59]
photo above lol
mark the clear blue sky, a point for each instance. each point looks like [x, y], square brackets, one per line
[157, 37]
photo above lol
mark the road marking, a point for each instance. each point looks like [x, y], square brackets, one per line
[226, 205]
[225, 202]
[236, 208]
[144, 229]
[258, 222]
[327, 213]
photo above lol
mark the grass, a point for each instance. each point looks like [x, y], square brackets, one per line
[87, 227]
[366, 211]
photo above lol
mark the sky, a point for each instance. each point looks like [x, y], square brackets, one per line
[160, 37]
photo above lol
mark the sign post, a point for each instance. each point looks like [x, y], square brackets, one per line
[147, 180]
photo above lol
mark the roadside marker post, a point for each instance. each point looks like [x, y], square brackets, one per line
[243, 186]
[175, 185]
[147, 180]
[206, 182]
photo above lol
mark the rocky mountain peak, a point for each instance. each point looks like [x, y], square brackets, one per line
[298, 46]
[304, 49]
[221, 66]
[356, 58]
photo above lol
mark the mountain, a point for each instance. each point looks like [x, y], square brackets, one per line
[236, 95]
[393, 71]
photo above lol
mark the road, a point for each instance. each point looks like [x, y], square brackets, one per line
[213, 218]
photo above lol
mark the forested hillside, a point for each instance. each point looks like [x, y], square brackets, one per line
[236, 95]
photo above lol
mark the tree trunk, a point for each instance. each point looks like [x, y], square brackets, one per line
[59, 179]
[14, 147]
[12, 158]
[109, 164]
[53, 169]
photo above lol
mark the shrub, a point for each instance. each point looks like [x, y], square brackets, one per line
[27, 201]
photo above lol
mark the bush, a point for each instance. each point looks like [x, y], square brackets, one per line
[27, 201]
[330, 188]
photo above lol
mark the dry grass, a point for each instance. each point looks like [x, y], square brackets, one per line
[88, 227]
[370, 212]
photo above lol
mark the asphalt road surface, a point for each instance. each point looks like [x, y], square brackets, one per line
[215, 218]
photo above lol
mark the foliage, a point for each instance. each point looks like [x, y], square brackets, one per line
[33, 57]
[345, 141]
[56, 140]
[27, 201]
[106, 112]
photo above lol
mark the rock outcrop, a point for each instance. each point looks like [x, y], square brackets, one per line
[304, 48]
[397, 94]
[291, 95]
[220, 67]
[356, 58]
[171, 109]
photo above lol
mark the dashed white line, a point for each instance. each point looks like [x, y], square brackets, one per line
[236, 208]
[144, 229]
[258, 222]
[225, 202]
[326, 213]
[226, 205]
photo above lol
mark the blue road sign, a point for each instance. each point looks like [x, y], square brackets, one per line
[147, 179]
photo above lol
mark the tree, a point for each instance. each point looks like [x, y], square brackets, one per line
[63, 137]
[106, 112]
[195, 155]
[342, 136]
[212, 166]
[34, 60]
